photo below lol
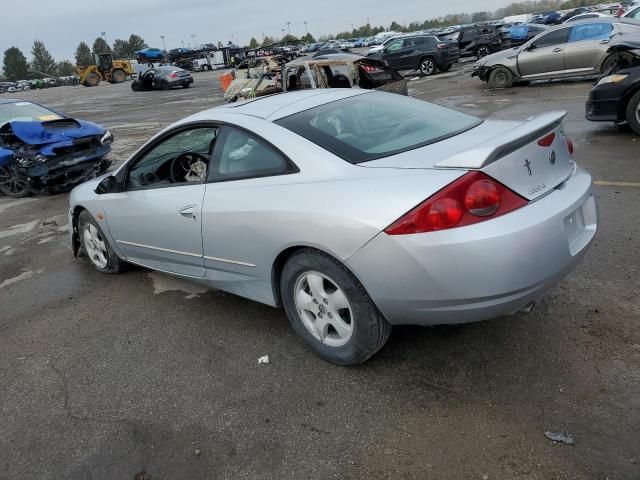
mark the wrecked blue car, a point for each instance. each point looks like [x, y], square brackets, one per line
[42, 151]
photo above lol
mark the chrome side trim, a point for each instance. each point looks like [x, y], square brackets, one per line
[159, 249]
[234, 262]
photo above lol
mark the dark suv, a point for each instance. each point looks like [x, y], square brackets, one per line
[425, 53]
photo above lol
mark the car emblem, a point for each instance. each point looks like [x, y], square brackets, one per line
[552, 157]
[527, 164]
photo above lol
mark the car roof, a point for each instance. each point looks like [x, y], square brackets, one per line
[280, 105]
[4, 101]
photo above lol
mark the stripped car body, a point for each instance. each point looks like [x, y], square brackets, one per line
[42, 151]
[344, 70]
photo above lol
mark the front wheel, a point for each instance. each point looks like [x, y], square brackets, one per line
[95, 245]
[483, 51]
[501, 77]
[427, 66]
[329, 308]
[11, 185]
[633, 113]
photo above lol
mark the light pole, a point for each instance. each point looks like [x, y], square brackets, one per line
[282, 30]
[306, 29]
[289, 27]
[163, 44]
[104, 37]
[193, 37]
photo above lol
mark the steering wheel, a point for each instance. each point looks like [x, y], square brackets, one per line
[183, 164]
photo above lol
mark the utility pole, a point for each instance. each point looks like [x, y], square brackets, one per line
[163, 44]
[104, 36]
[282, 30]
[306, 29]
[289, 27]
[193, 37]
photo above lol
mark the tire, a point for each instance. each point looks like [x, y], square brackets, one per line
[95, 246]
[501, 77]
[483, 51]
[118, 76]
[427, 66]
[11, 186]
[608, 63]
[633, 113]
[206, 68]
[92, 80]
[135, 86]
[164, 85]
[351, 328]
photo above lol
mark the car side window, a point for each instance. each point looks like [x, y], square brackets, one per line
[635, 14]
[180, 159]
[590, 31]
[395, 46]
[241, 155]
[556, 37]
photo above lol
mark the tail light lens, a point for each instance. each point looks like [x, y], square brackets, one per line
[368, 68]
[570, 146]
[173, 75]
[548, 140]
[471, 199]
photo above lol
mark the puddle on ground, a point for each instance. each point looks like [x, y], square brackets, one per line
[166, 283]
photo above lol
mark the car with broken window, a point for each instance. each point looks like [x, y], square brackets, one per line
[353, 209]
[568, 50]
[616, 95]
[42, 151]
[164, 77]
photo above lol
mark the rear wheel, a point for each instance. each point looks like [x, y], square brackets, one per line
[95, 245]
[118, 76]
[501, 77]
[11, 185]
[428, 66]
[330, 309]
[482, 51]
[92, 80]
[136, 86]
[633, 113]
[206, 68]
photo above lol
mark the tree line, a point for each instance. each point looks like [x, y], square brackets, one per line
[16, 67]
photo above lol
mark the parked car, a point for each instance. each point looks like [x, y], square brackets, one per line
[478, 40]
[425, 53]
[348, 208]
[616, 95]
[573, 13]
[586, 16]
[329, 51]
[150, 54]
[634, 14]
[44, 151]
[163, 77]
[569, 50]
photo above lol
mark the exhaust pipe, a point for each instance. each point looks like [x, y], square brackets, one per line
[527, 308]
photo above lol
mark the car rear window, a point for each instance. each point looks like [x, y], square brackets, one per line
[377, 125]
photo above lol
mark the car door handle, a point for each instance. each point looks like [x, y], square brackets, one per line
[189, 212]
[558, 50]
[605, 41]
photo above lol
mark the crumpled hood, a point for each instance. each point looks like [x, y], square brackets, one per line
[64, 130]
[499, 58]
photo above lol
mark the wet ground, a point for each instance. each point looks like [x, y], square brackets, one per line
[142, 374]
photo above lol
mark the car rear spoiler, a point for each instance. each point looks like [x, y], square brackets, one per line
[485, 153]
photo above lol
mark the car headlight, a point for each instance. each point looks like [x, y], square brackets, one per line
[107, 138]
[617, 78]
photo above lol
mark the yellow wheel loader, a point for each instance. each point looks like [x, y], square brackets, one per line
[105, 69]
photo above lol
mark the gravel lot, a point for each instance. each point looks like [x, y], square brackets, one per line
[109, 377]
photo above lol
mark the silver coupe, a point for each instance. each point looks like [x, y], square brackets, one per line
[354, 210]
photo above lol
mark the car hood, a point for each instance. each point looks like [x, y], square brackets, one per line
[499, 58]
[62, 130]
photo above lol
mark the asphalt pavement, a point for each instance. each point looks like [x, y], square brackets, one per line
[145, 376]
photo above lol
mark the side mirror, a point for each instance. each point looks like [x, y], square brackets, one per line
[107, 185]
[531, 47]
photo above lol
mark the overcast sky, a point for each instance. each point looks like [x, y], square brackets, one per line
[62, 24]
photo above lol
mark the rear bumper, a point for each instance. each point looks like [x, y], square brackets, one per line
[181, 81]
[481, 271]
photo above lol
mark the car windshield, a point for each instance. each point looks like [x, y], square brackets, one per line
[25, 111]
[377, 125]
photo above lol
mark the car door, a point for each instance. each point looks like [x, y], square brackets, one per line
[392, 53]
[156, 220]
[587, 47]
[412, 49]
[243, 176]
[544, 55]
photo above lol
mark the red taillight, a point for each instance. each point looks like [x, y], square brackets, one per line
[548, 140]
[473, 198]
[368, 68]
[570, 146]
[173, 75]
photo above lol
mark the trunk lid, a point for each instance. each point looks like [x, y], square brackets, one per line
[507, 151]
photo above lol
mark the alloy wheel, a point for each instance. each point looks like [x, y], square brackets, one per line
[95, 246]
[10, 184]
[427, 67]
[483, 52]
[324, 309]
